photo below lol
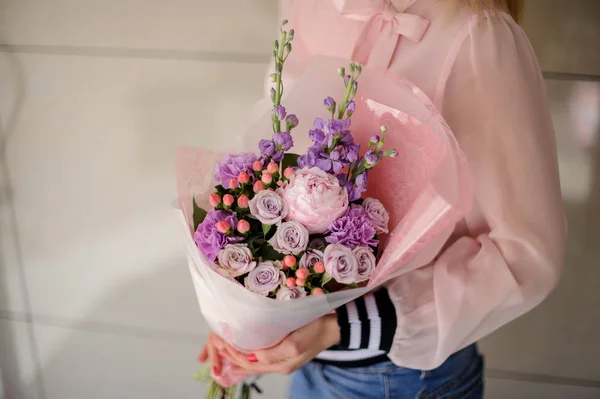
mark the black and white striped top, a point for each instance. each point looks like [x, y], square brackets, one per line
[367, 327]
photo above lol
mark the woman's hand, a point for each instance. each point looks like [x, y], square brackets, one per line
[293, 352]
[214, 349]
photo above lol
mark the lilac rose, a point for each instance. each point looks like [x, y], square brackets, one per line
[286, 294]
[290, 238]
[264, 278]
[310, 257]
[236, 259]
[268, 207]
[366, 263]
[377, 214]
[209, 239]
[232, 165]
[341, 264]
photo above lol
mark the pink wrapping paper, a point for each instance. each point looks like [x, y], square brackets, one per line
[426, 189]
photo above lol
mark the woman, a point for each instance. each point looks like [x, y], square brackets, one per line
[415, 338]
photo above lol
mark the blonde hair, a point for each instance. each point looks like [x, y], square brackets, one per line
[513, 7]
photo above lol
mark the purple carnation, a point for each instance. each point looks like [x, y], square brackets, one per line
[232, 165]
[354, 229]
[211, 241]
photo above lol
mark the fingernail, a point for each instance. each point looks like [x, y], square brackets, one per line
[198, 359]
[215, 370]
[252, 358]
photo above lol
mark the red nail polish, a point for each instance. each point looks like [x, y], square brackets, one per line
[215, 370]
[252, 358]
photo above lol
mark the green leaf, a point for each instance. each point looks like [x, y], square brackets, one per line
[269, 253]
[353, 285]
[326, 278]
[221, 190]
[198, 215]
[266, 228]
[289, 160]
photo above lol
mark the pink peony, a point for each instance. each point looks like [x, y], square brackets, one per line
[315, 199]
[341, 264]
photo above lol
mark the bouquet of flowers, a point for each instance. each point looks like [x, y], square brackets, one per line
[284, 238]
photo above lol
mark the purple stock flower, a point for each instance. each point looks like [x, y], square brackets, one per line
[329, 102]
[351, 107]
[337, 126]
[283, 140]
[310, 159]
[352, 152]
[354, 229]
[266, 147]
[209, 239]
[278, 156]
[317, 136]
[347, 79]
[370, 158]
[280, 111]
[361, 181]
[232, 165]
[375, 139]
[291, 121]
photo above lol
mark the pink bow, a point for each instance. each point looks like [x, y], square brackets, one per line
[379, 38]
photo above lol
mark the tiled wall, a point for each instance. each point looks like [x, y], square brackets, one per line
[95, 96]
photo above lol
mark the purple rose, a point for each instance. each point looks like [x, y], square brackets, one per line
[354, 229]
[311, 257]
[236, 259]
[341, 264]
[377, 214]
[283, 140]
[366, 263]
[209, 239]
[286, 294]
[264, 278]
[268, 207]
[266, 147]
[290, 238]
[232, 165]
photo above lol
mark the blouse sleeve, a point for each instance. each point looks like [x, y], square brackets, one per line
[511, 258]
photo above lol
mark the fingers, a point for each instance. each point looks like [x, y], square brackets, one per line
[215, 359]
[288, 349]
[203, 356]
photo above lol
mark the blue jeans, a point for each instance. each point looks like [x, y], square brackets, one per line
[460, 377]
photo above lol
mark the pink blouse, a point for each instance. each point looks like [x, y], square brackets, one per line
[481, 72]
